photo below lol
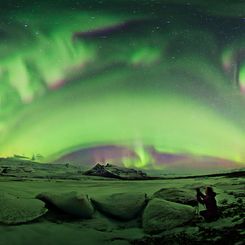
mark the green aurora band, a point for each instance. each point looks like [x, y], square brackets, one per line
[88, 75]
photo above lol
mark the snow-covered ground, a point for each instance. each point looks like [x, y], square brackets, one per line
[55, 228]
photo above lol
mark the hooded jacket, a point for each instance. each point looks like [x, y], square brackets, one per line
[209, 201]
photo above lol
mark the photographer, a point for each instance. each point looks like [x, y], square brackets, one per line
[211, 212]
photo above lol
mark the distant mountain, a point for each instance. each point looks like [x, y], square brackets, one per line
[113, 171]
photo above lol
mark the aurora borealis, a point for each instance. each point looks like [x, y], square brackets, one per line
[165, 74]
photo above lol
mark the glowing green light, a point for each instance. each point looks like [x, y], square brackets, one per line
[242, 76]
[164, 85]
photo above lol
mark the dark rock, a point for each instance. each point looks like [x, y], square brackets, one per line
[70, 202]
[182, 196]
[123, 206]
[15, 210]
[160, 215]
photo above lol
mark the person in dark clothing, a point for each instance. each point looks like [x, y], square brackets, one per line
[211, 212]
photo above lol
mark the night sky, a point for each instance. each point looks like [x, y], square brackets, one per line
[164, 74]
